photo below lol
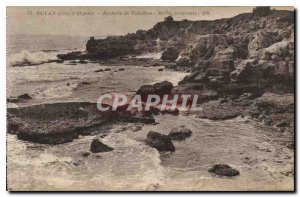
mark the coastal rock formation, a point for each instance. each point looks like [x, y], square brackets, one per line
[55, 135]
[162, 88]
[63, 122]
[235, 60]
[247, 49]
[224, 170]
[180, 133]
[97, 146]
[170, 54]
[159, 141]
[145, 90]
[275, 110]
[216, 110]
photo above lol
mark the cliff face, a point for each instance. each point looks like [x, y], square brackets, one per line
[255, 47]
[245, 34]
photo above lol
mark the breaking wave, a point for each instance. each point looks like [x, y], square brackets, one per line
[26, 57]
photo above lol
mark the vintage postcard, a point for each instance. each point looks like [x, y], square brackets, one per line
[150, 98]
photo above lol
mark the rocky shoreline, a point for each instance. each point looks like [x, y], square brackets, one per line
[244, 68]
[241, 67]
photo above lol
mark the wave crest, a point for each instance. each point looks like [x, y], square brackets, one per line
[27, 57]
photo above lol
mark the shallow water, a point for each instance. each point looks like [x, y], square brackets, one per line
[132, 165]
[54, 82]
[252, 149]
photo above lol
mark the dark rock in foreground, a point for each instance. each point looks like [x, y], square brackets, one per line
[224, 170]
[55, 136]
[145, 90]
[62, 122]
[180, 133]
[160, 142]
[162, 88]
[97, 146]
[13, 124]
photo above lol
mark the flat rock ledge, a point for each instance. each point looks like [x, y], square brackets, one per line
[59, 123]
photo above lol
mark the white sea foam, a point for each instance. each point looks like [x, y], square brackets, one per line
[30, 57]
[150, 56]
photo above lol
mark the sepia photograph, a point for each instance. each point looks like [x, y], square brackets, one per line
[150, 98]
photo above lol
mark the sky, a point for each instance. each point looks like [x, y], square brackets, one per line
[97, 21]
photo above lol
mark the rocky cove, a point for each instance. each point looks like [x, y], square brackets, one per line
[242, 68]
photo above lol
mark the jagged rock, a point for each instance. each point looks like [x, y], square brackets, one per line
[159, 141]
[180, 133]
[247, 71]
[226, 54]
[224, 170]
[97, 146]
[107, 69]
[201, 65]
[161, 69]
[276, 51]
[171, 54]
[110, 47]
[201, 49]
[227, 64]
[163, 88]
[262, 39]
[286, 33]
[183, 62]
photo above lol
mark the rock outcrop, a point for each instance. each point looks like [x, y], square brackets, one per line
[97, 146]
[170, 54]
[160, 88]
[193, 41]
[59, 123]
[224, 170]
[159, 141]
[180, 133]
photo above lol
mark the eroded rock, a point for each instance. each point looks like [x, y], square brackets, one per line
[224, 170]
[97, 146]
[180, 133]
[171, 54]
[159, 141]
